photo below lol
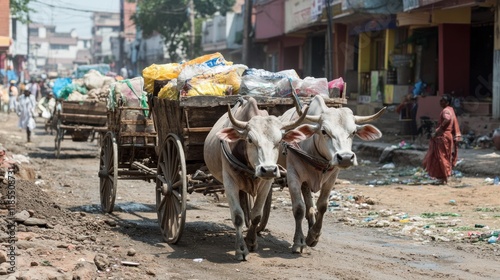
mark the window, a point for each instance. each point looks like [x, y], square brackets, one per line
[33, 32]
[59, 47]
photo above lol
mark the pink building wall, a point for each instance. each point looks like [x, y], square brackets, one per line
[270, 19]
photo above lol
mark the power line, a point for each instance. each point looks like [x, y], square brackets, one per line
[69, 8]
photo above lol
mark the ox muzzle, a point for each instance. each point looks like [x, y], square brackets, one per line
[345, 159]
[267, 171]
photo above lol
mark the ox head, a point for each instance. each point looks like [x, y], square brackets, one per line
[263, 135]
[336, 129]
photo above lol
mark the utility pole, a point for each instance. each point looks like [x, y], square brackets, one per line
[329, 42]
[247, 27]
[191, 20]
[28, 43]
[121, 35]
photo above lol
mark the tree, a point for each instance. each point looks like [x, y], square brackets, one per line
[170, 18]
[20, 10]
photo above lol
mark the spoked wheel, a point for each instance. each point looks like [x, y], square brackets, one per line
[108, 172]
[247, 201]
[58, 139]
[171, 189]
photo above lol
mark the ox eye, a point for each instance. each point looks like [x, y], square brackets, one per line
[324, 132]
[250, 140]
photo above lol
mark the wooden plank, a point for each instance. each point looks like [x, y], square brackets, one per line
[138, 133]
[197, 130]
[83, 127]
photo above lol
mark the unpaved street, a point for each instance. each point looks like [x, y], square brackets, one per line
[393, 231]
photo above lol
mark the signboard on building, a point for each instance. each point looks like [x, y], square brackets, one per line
[298, 14]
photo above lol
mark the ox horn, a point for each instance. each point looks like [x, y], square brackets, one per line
[294, 124]
[296, 101]
[235, 122]
[314, 119]
[364, 119]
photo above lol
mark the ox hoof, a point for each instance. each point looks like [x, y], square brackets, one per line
[298, 249]
[251, 245]
[311, 241]
[242, 254]
[242, 257]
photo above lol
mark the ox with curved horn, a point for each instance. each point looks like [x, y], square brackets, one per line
[253, 137]
[316, 165]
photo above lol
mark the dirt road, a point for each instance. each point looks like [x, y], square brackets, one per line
[391, 231]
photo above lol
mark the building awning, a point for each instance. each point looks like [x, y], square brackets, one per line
[4, 42]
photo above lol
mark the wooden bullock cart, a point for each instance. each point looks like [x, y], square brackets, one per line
[78, 120]
[172, 154]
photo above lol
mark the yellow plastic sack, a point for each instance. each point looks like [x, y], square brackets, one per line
[230, 77]
[159, 72]
[209, 88]
[169, 91]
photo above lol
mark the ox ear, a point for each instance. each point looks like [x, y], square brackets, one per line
[229, 134]
[300, 133]
[368, 132]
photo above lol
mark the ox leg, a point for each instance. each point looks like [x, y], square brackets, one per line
[256, 215]
[322, 204]
[237, 217]
[298, 208]
[310, 209]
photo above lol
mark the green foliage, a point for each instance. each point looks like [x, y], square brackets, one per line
[19, 9]
[170, 18]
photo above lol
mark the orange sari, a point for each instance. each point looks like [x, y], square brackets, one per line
[443, 151]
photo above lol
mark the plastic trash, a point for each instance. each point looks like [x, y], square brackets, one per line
[489, 181]
[493, 239]
[388, 166]
[496, 181]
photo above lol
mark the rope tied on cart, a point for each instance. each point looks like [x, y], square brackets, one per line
[321, 164]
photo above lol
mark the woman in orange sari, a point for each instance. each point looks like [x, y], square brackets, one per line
[443, 151]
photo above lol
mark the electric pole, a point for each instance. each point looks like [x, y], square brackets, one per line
[247, 28]
[191, 20]
[121, 38]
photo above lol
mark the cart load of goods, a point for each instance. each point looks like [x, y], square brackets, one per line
[211, 74]
[93, 87]
[129, 94]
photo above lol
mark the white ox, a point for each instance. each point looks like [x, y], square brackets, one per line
[314, 164]
[253, 137]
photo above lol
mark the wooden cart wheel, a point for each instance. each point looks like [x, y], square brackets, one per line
[108, 172]
[171, 189]
[246, 202]
[58, 139]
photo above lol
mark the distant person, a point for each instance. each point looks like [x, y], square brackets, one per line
[124, 72]
[407, 111]
[34, 88]
[13, 95]
[26, 111]
[45, 107]
[443, 150]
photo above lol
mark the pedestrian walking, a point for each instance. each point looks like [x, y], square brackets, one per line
[443, 150]
[13, 95]
[26, 111]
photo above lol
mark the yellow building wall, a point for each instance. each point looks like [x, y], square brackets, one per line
[457, 15]
[364, 62]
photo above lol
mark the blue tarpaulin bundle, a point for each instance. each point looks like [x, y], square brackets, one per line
[59, 84]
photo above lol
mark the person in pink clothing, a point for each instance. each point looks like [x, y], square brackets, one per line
[443, 150]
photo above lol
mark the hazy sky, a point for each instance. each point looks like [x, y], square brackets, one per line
[71, 14]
